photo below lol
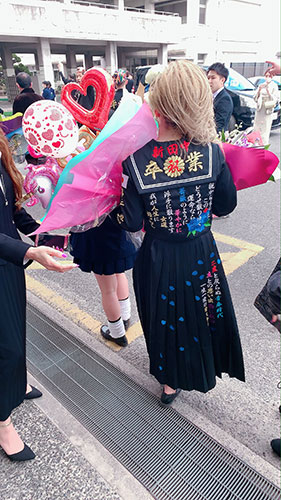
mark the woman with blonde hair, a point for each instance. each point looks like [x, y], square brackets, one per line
[173, 185]
[14, 256]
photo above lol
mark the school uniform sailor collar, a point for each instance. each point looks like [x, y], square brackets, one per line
[173, 170]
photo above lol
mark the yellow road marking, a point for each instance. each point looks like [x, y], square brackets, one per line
[236, 259]
[235, 242]
[35, 265]
[231, 262]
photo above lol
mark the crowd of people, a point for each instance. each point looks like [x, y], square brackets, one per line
[170, 189]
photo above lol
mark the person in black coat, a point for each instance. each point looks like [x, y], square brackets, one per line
[14, 256]
[27, 95]
[223, 106]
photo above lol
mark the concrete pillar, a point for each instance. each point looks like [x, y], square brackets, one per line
[162, 54]
[119, 4]
[71, 63]
[192, 11]
[44, 66]
[103, 62]
[111, 57]
[149, 6]
[121, 58]
[9, 72]
[88, 60]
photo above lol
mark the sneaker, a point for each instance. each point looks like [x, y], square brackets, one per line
[105, 332]
[167, 399]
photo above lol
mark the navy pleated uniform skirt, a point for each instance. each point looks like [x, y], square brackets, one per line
[186, 313]
[12, 338]
[105, 249]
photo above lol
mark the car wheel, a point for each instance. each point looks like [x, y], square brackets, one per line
[232, 123]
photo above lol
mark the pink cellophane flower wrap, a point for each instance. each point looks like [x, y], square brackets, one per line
[90, 185]
[249, 166]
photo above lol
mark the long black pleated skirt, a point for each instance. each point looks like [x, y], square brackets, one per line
[12, 338]
[186, 313]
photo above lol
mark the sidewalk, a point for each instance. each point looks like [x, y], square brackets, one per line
[70, 463]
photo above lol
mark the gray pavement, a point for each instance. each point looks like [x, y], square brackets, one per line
[59, 470]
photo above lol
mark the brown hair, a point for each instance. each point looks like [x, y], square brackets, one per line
[10, 166]
[182, 95]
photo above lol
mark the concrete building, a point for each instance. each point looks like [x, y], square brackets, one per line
[108, 31]
[131, 33]
[232, 31]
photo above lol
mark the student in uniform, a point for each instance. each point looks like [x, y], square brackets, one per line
[173, 186]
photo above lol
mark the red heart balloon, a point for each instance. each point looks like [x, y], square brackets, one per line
[97, 117]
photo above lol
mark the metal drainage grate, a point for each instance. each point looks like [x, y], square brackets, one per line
[169, 455]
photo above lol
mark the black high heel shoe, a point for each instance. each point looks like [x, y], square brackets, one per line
[33, 394]
[20, 456]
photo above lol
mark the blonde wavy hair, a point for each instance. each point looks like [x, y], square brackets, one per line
[182, 95]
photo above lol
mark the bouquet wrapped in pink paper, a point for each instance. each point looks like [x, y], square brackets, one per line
[90, 185]
[249, 163]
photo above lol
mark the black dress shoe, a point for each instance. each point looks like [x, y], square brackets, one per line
[276, 446]
[122, 341]
[167, 399]
[34, 393]
[22, 456]
[126, 323]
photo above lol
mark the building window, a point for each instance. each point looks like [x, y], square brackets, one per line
[201, 59]
[202, 11]
[175, 6]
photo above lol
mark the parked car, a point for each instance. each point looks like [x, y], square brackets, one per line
[242, 92]
[257, 80]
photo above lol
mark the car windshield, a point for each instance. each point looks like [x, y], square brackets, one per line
[236, 81]
[262, 80]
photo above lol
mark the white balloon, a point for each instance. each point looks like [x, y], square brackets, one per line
[50, 129]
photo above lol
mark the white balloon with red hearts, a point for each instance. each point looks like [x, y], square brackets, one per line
[50, 129]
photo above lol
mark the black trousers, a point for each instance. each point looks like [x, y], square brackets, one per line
[12, 338]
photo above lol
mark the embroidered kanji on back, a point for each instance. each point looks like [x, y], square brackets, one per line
[176, 181]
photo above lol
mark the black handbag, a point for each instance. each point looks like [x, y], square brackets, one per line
[262, 301]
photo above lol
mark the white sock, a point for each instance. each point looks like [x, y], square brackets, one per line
[125, 307]
[116, 328]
